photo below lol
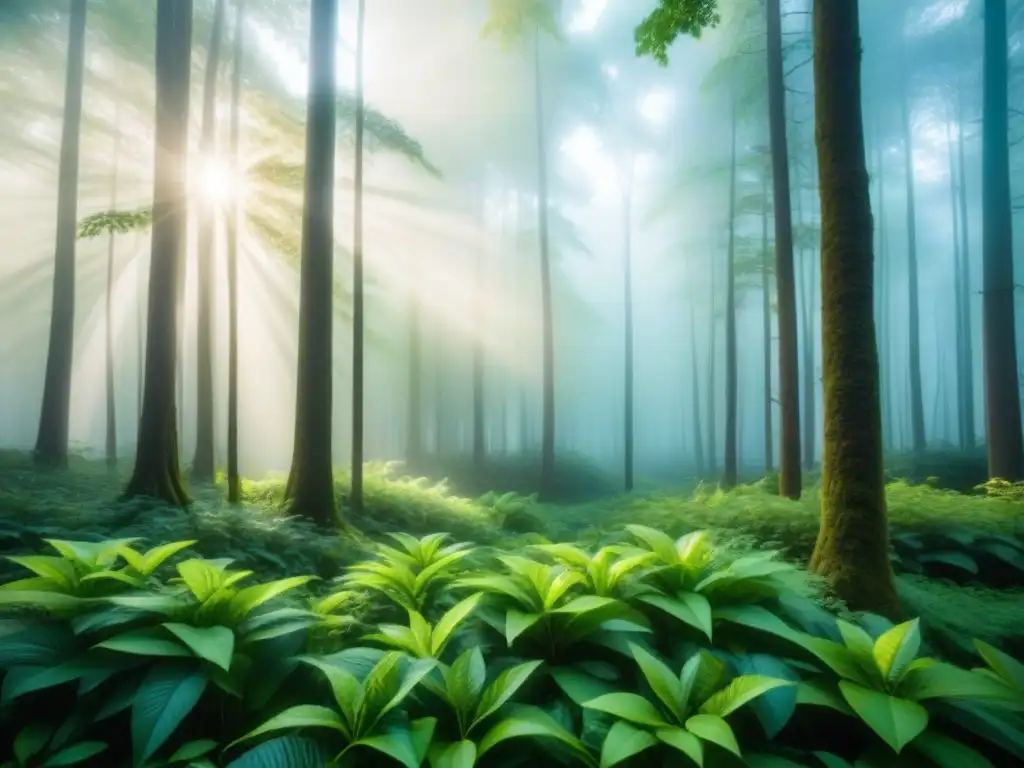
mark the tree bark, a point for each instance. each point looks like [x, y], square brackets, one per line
[961, 367]
[51, 448]
[965, 283]
[204, 458]
[790, 480]
[766, 330]
[1002, 393]
[310, 489]
[852, 550]
[157, 473]
[358, 293]
[108, 322]
[234, 477]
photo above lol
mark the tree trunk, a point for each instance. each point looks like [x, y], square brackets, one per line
[961, 367]
[1002, 394]
[203, 459]
[729, 475]
[627, 305]
[790, 480]
[882, 261]
[310, 489]
[698, 440]
[51, 448]
[358, 298]
[234, 478]
[913, 300]
[766, 328]
[111, 407]
[852, 550]
[547, 452]
[479, 406]
[712, 413]
[414, 429]
[156, 472]
[965, 283]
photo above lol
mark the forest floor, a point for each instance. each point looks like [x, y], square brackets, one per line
[959, 558]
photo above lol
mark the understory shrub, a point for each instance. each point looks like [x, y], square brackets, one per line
[646, 651]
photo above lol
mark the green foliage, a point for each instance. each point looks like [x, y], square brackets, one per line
[671, 19]
[513, 21]
[115, 223]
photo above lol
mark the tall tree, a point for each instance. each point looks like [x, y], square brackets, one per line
[358, 297]
[203, 460]
[698, 440]
[234, 478]
[731, 470]
[785, 278]
[51, 448]
[1002, 393]
[310, 488]
[157, 473]
[766, 328]
[964, 286]
[627, 320]
[108, 310]
[852, 550]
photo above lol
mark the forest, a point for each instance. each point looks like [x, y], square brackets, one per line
[456, 383]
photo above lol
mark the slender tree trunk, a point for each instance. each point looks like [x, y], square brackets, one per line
[806, 286]
[204, 458]
[698, 440]
[358, 299]
[712, 411]
[51, 448]
[729, 476]
[1002, 393]
[766, 328]
[111, 407]
[547, 453]
[157, 473]
[414, 438]
[961, 407]
[310, 488]
[852, 550]
[478, 364]
[627, 305]
[234, 477]
[885, 364]
[790, 479]
[965, 283]
[913, 300]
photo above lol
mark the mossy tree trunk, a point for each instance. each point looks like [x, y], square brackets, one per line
[234, 477]
[358, 292]
[51, 449]
[1002, 393]
[852, 550]
[204, 458]
[157, 473]
[108, 310]
[310, 488]
[790, 480]
[730, 470]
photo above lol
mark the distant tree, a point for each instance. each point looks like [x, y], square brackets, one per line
[157, 473]
[358, 304]
[51, 448]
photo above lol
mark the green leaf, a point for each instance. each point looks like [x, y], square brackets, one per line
[714, 729]
[56, 569]
[738, 692]
[300, 716]
[193, 750]
[166, 696]
[896, 721]
[283, 752]
[461, 754]
[517, 622]
[690, 608]
[249, 599]
[201, 577]
[149, 641]
[30, 741]
[215, 644]
[395, 743]
[628, 706]
[948, 753]
[450, 621]
[464, 681]
[775, 708]
[530, 721]
[157, 556]
[348, 693]
[76, 753]
[580, 686]
[663, 681]
[684, 741]
[701, 676]
[623, 742]
[939, 680]
[503, 688]
[1005, 666]
[896, 648]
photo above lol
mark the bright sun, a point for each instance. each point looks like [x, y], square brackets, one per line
[216, 183]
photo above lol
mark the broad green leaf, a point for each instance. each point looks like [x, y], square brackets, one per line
[283, 752]
[776, 707]
[832, 761]
[839, 659]
[249, 599]
[530, 721]
[301, 716]
[701, 676]
[1008, 668]
[348, 693]
[135, 582]
[818, 694]
[738, 692]
[30, 741]
[411, 677]
[157, 556]
[215, 644]
[396, 743]
[56, 569]
[421, 733]
[628, 706]
[452, 618]
[461, 754]
[856, 639]
[689, 607]
[714, 729]
[464, 681]
[658, 542]
[939, 680]
[896, 721]
[517, 622]
[503, 688]
[421, 632]
[684, 741]
[585, 604]
[192, 750]
[201, 577]
[896, 648]
[166, 696]
[663, 681]
[76, 753]
[623, 742]
[149, 641]
[579, 685]
[948, 753]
